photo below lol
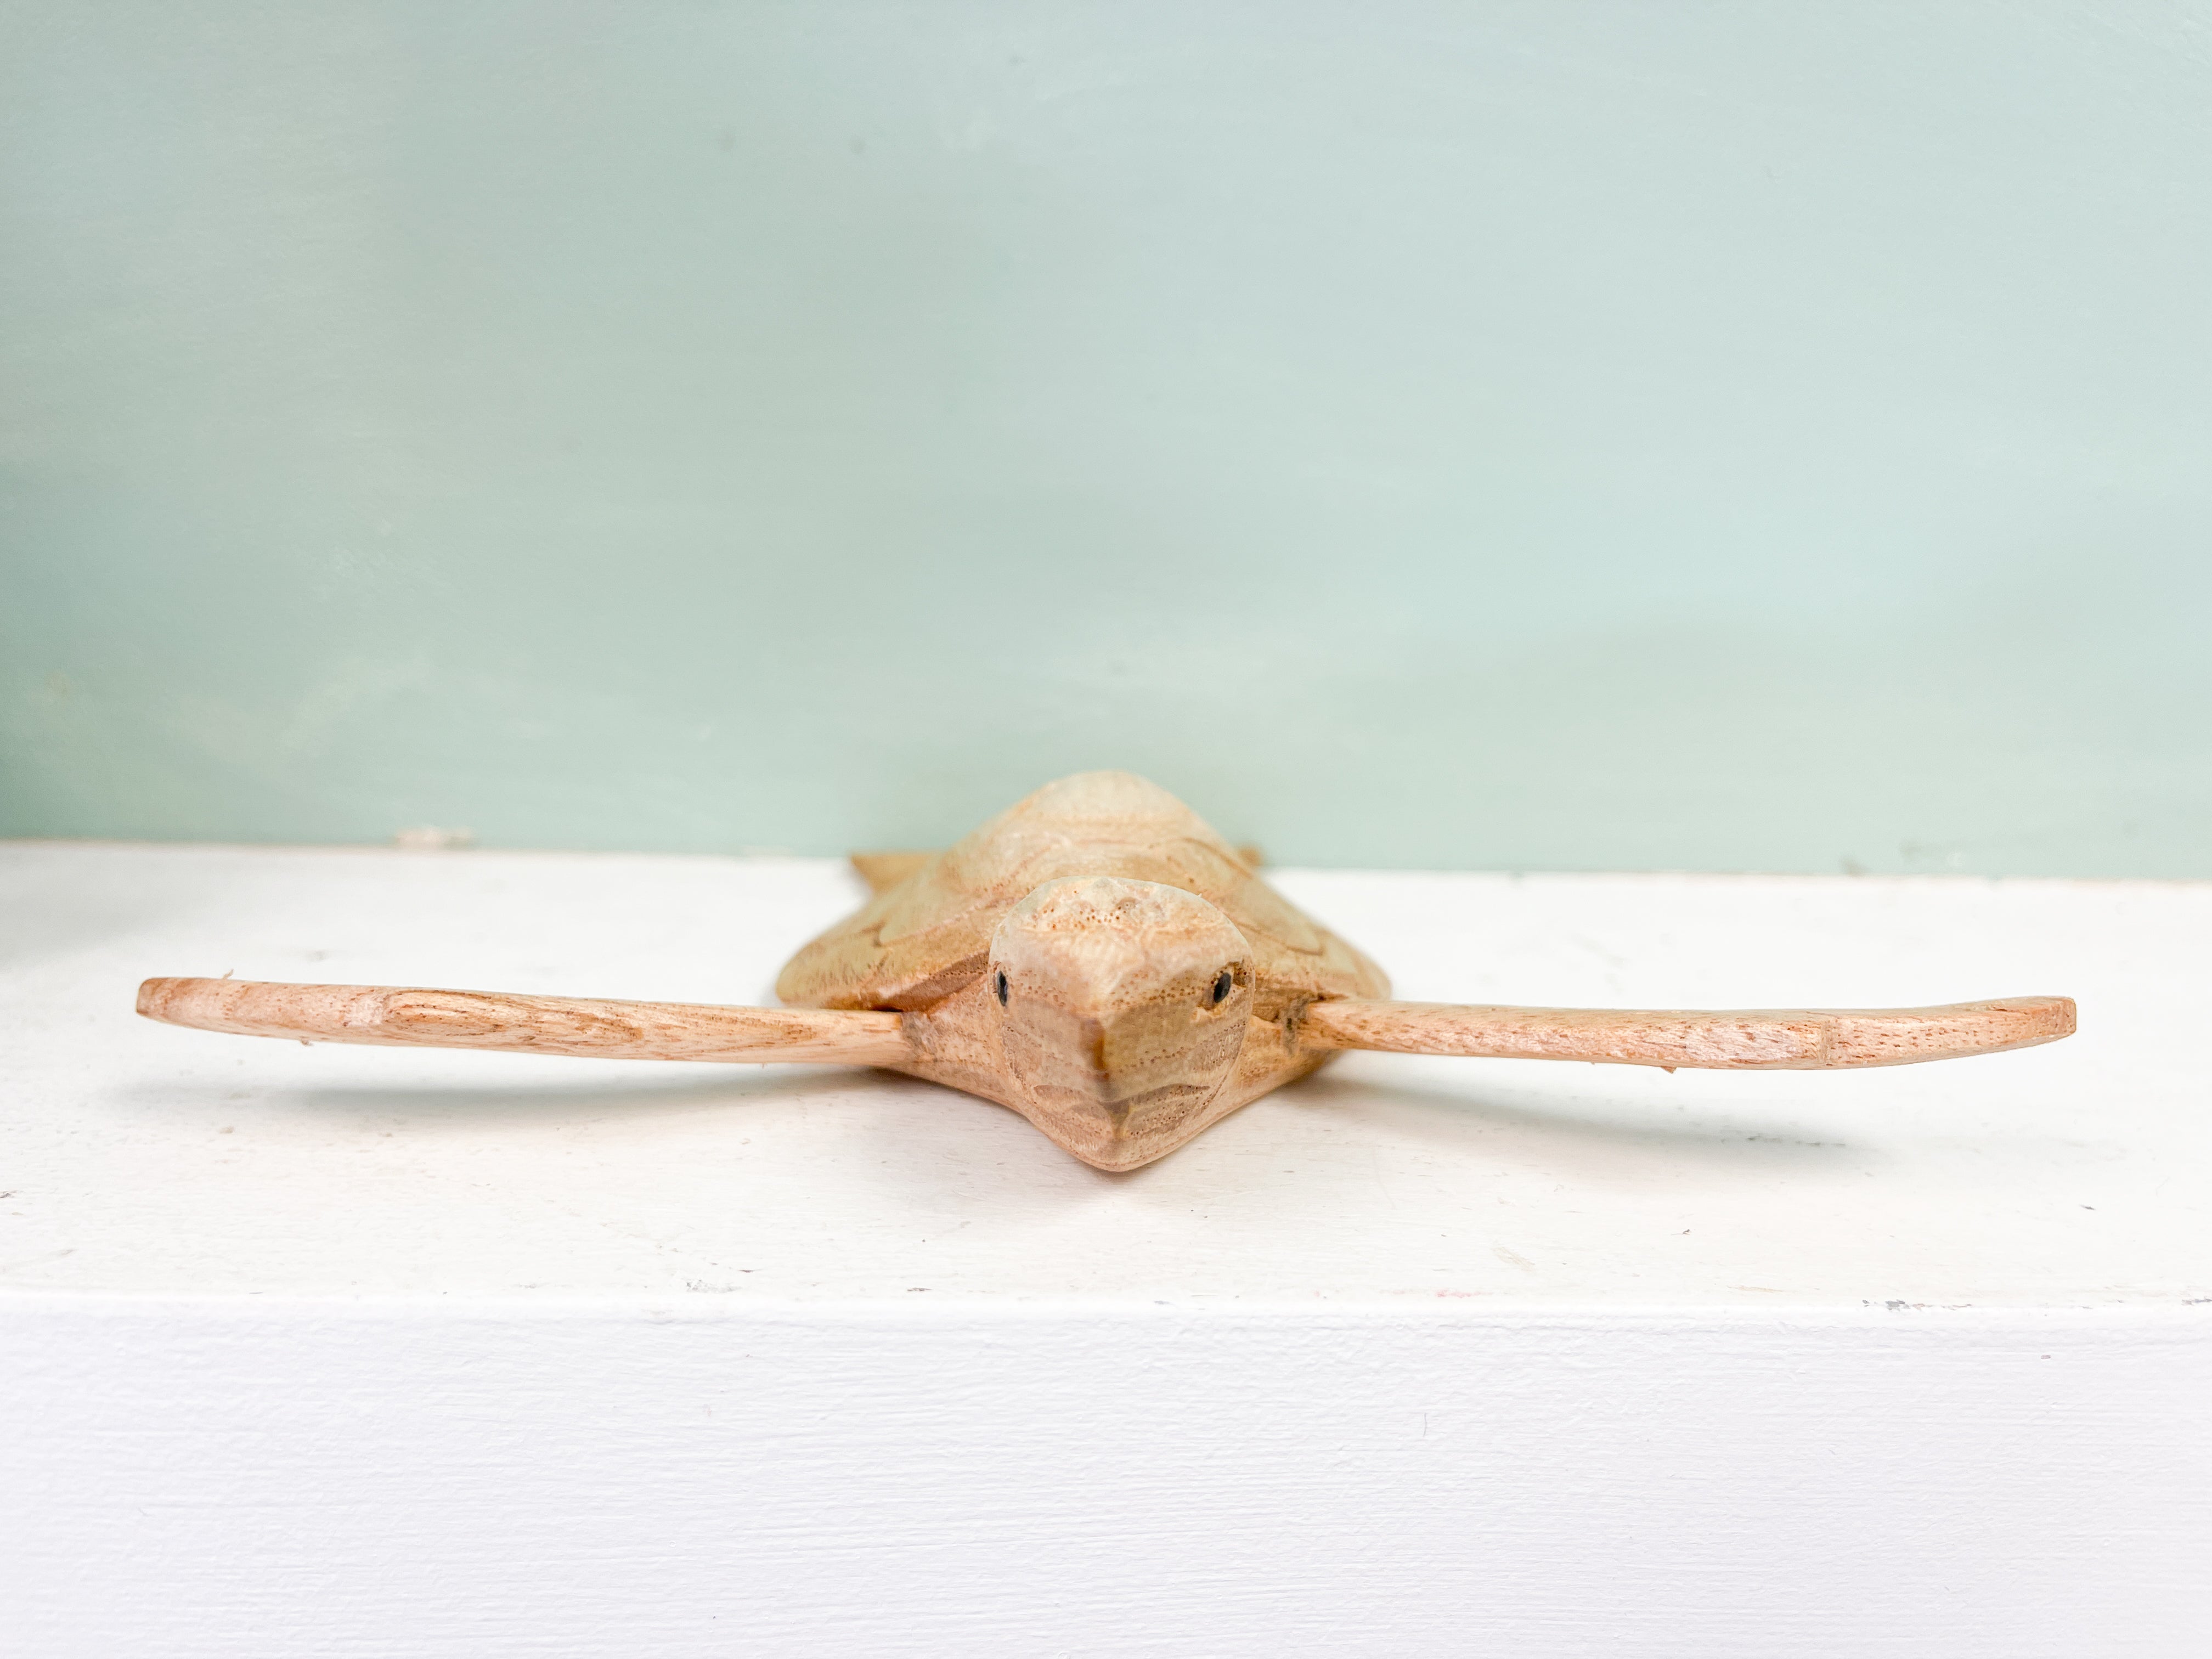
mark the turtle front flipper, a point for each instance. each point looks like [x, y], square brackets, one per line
[884, 871]
[589, 1026]
[1800, 1039]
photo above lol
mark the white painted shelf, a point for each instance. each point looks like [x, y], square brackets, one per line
[312, 1349]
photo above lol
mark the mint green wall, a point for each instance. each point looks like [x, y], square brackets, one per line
[1542, 435]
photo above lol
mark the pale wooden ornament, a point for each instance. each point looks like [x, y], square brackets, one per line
[1098, 959]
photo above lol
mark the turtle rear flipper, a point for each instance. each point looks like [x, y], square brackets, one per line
[884, 871]
[1795, 1040]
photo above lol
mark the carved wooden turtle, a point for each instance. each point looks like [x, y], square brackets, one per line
[1098, 959]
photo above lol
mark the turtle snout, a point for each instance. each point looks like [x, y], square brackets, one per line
[1176, 1045]
[1123, 1004]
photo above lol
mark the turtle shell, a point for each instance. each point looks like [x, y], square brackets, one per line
[921, 941]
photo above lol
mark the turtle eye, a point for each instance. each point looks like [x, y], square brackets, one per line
[1002, 988]
[1222, 987]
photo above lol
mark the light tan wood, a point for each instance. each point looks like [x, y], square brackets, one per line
[1099, 959]
[586, 1026]
[918, 942]
[1798, 1039]
[1084, 1050]
[884, 871]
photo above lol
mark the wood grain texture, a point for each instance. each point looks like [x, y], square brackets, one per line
[1060, 961]
[1805, 1039]
[1120, 1018]
[922, 940]
[585, 1026]
[1098, 958]
[1382, 1178]
[884, 870]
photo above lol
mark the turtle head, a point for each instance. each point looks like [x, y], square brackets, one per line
[1122, 1007]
